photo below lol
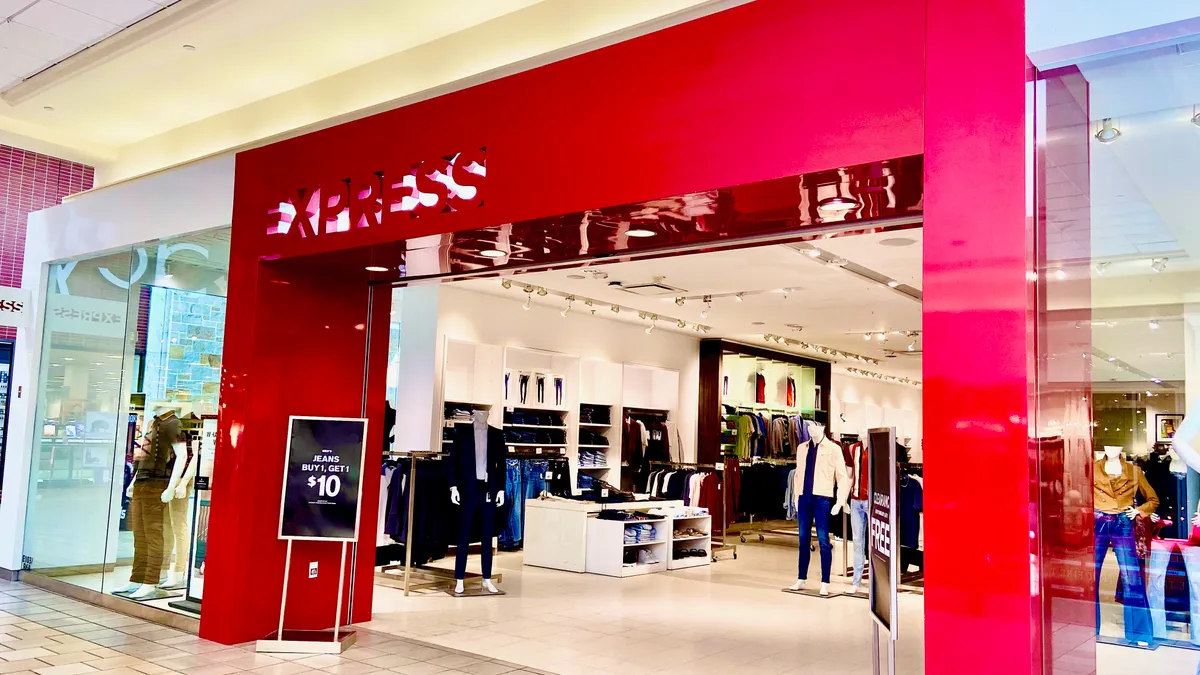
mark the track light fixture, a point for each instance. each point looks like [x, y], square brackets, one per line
[642, 315]
[528, 302]
[893, 283]
[565, 310]
[616, 309]
[740, 297]
[1102, 267]
[681, 323]
[542, 292]
[1195, 116]
[506, 283]
[912, 346]
[1060, 274]
[1158, 265]
[707, 307]
[867, 337]
[1153, 324]
[680, 300]
[882, 337]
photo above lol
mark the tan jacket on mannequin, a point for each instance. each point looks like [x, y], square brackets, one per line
[1114, 494]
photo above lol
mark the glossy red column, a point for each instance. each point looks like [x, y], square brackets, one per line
[980, 612]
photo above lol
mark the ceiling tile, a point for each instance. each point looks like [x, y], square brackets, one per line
[10, 7]
[120, 12]
[19, 65]
[35, 43]
[51, 17]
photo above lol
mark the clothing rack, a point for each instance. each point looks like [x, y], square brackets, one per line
[762, 531]
[732, 548]
[654, 413]
[435, 576]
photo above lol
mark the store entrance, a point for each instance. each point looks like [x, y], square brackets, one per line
[680, 391]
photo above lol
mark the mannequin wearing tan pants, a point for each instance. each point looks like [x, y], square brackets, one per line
[176, 527]
[175, 538]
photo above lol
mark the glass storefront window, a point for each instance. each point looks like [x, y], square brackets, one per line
[128, 403]
[1118, 357]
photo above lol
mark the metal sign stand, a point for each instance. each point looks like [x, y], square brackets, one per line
[309, 641]
[316, 641]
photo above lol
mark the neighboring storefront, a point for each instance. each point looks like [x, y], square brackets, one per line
[128, 286]
[29, 181]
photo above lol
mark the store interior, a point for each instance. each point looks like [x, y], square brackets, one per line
[571, 365]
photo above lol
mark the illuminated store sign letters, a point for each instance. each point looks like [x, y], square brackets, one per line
[440, 185]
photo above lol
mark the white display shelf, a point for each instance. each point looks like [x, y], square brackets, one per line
[537, 408]
[537, 445]
[685, 563]
[606, 548]
[594, 468]
[595, 425]
[594, 447]
[703, 541]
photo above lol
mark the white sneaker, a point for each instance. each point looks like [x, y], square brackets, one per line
[799, 585]
[824, 589]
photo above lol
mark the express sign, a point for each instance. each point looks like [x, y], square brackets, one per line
[421, 189]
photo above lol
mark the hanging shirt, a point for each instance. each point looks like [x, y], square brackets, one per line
[481, 443]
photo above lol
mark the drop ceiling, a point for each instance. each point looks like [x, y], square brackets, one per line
[36, 34]
[834, 307]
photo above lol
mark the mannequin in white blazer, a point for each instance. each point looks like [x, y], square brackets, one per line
[831, 485]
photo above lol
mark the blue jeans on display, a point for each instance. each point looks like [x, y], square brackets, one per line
[514, 504]
[1116, 530]
[858, 530]
[1160, 558]
[815, 508]
[533, 478]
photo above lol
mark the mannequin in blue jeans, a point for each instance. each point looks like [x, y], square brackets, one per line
[1183, 444]
[820, 467]
[858, 530]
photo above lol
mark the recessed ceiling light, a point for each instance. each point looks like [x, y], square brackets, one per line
[837, 204]
[640, 233]
[376, 268]
[189, 48]
[1108, 133]
[893, 284]
[48, 108]
[576, 276]
[897, 241]
[492, 253]
[758, 323]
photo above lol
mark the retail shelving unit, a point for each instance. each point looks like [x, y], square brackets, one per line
[703, 542]
[606, 547]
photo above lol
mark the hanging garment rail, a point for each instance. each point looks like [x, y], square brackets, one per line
[433, 577]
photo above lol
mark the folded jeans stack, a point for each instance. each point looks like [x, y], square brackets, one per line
[639, 534]
[591, 457]
[592, 438]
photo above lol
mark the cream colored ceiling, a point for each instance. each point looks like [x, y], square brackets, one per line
[261, 68]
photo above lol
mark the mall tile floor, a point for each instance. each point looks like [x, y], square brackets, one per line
[46, 634]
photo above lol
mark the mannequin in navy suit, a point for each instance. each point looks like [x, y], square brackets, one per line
[477, 477]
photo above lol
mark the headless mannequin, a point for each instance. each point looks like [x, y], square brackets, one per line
[478, 421]
[183, 472]
[820, 435]
[150, 446]
[1181, 443]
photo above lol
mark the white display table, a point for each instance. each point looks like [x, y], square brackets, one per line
[556, 531]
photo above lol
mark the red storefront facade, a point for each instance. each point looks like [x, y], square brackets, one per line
[764, 91]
